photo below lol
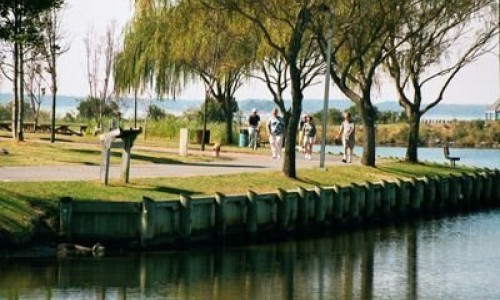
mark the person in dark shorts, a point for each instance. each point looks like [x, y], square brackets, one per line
[253, 128]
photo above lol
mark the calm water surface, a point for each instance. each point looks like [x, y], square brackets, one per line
[472, 157]
[452, 258]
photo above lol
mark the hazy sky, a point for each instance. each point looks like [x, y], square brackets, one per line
[478, 83]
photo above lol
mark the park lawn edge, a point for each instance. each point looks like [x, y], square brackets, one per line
[26, 207]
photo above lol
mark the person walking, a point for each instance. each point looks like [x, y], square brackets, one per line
[347, 131]
[301, 133]
[253, 127]
[275, 131]
[309, 133]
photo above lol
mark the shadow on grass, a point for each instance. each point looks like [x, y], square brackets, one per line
[134, 156]
[417, 170]
[46, 139]
[173, 191]
[308, 181]
[20, 214]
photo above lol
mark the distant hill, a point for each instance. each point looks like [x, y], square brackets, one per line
[442, 111]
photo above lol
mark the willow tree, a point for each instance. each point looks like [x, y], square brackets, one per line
[168, 45]
[443, 37]
[285, 26]
[217, 48]
[144, 61]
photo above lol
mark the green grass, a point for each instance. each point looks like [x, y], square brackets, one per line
[41, 153]
[22, 204]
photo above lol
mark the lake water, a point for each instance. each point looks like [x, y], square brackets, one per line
[451, 258]
[473, 157]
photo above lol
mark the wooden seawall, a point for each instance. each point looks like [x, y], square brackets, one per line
[208, 218]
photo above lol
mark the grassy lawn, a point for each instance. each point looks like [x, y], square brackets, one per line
[23, 203]
[41, 153]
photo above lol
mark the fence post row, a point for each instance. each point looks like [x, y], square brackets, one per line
[283, 211]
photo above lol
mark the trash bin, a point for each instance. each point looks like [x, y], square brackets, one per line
[199, 134]
[243, 137]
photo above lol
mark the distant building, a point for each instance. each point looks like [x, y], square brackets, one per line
[492, 113]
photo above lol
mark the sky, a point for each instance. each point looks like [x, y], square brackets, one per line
[478, 83]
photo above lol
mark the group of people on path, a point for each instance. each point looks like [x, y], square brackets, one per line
[307, 134]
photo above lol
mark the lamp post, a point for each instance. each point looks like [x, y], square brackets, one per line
[327, 91]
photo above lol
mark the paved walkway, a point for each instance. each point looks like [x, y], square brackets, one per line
[239, 163]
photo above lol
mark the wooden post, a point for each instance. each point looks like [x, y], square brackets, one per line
[429, 194]
[183, 142]
[388, 198]
[356, 194]
[283, 213]
[476, 191]
[417, 195]
[320, 206]
[147, 220]
[128, 137]
[338, 203]
[304, 206]
[467, 189]
[125, 165]
[496, 187]
[403, 196]
[220, 217]
[185, 216]
[370, 201]
[65, 217]
[105, 157]
[455, 191]
[486, 188]
[251, 213]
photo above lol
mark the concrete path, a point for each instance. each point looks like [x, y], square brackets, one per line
[239, 163]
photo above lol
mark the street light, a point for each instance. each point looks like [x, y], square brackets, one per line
[327, 89]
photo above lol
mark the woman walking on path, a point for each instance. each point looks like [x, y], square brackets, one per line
[347, 130]
[275, 130]
[309, 133]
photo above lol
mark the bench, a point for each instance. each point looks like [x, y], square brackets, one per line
[452, 159]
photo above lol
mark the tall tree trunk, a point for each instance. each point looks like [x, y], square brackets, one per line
[289, 167]
[15, 104]
[413, 138]
[21, 93]
[228, 120]
[228, 117]
[368, 115]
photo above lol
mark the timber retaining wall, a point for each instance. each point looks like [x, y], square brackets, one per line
[170, 221]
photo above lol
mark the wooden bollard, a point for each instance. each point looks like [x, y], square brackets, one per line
[147, 220]
[476, 191]
[370, 201]
[388, 197]
[496, 186]
[429, 194]
[455, 191]
[403, 196]
[320, 206]
[304, 206]
[442, 193]
[341, 202]
[417, 195]
[356, 195]
[185, 216]
[65, 217]
[220, 215]
[485, 188]
[251, 213]
[466, 189]
[285, 201]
